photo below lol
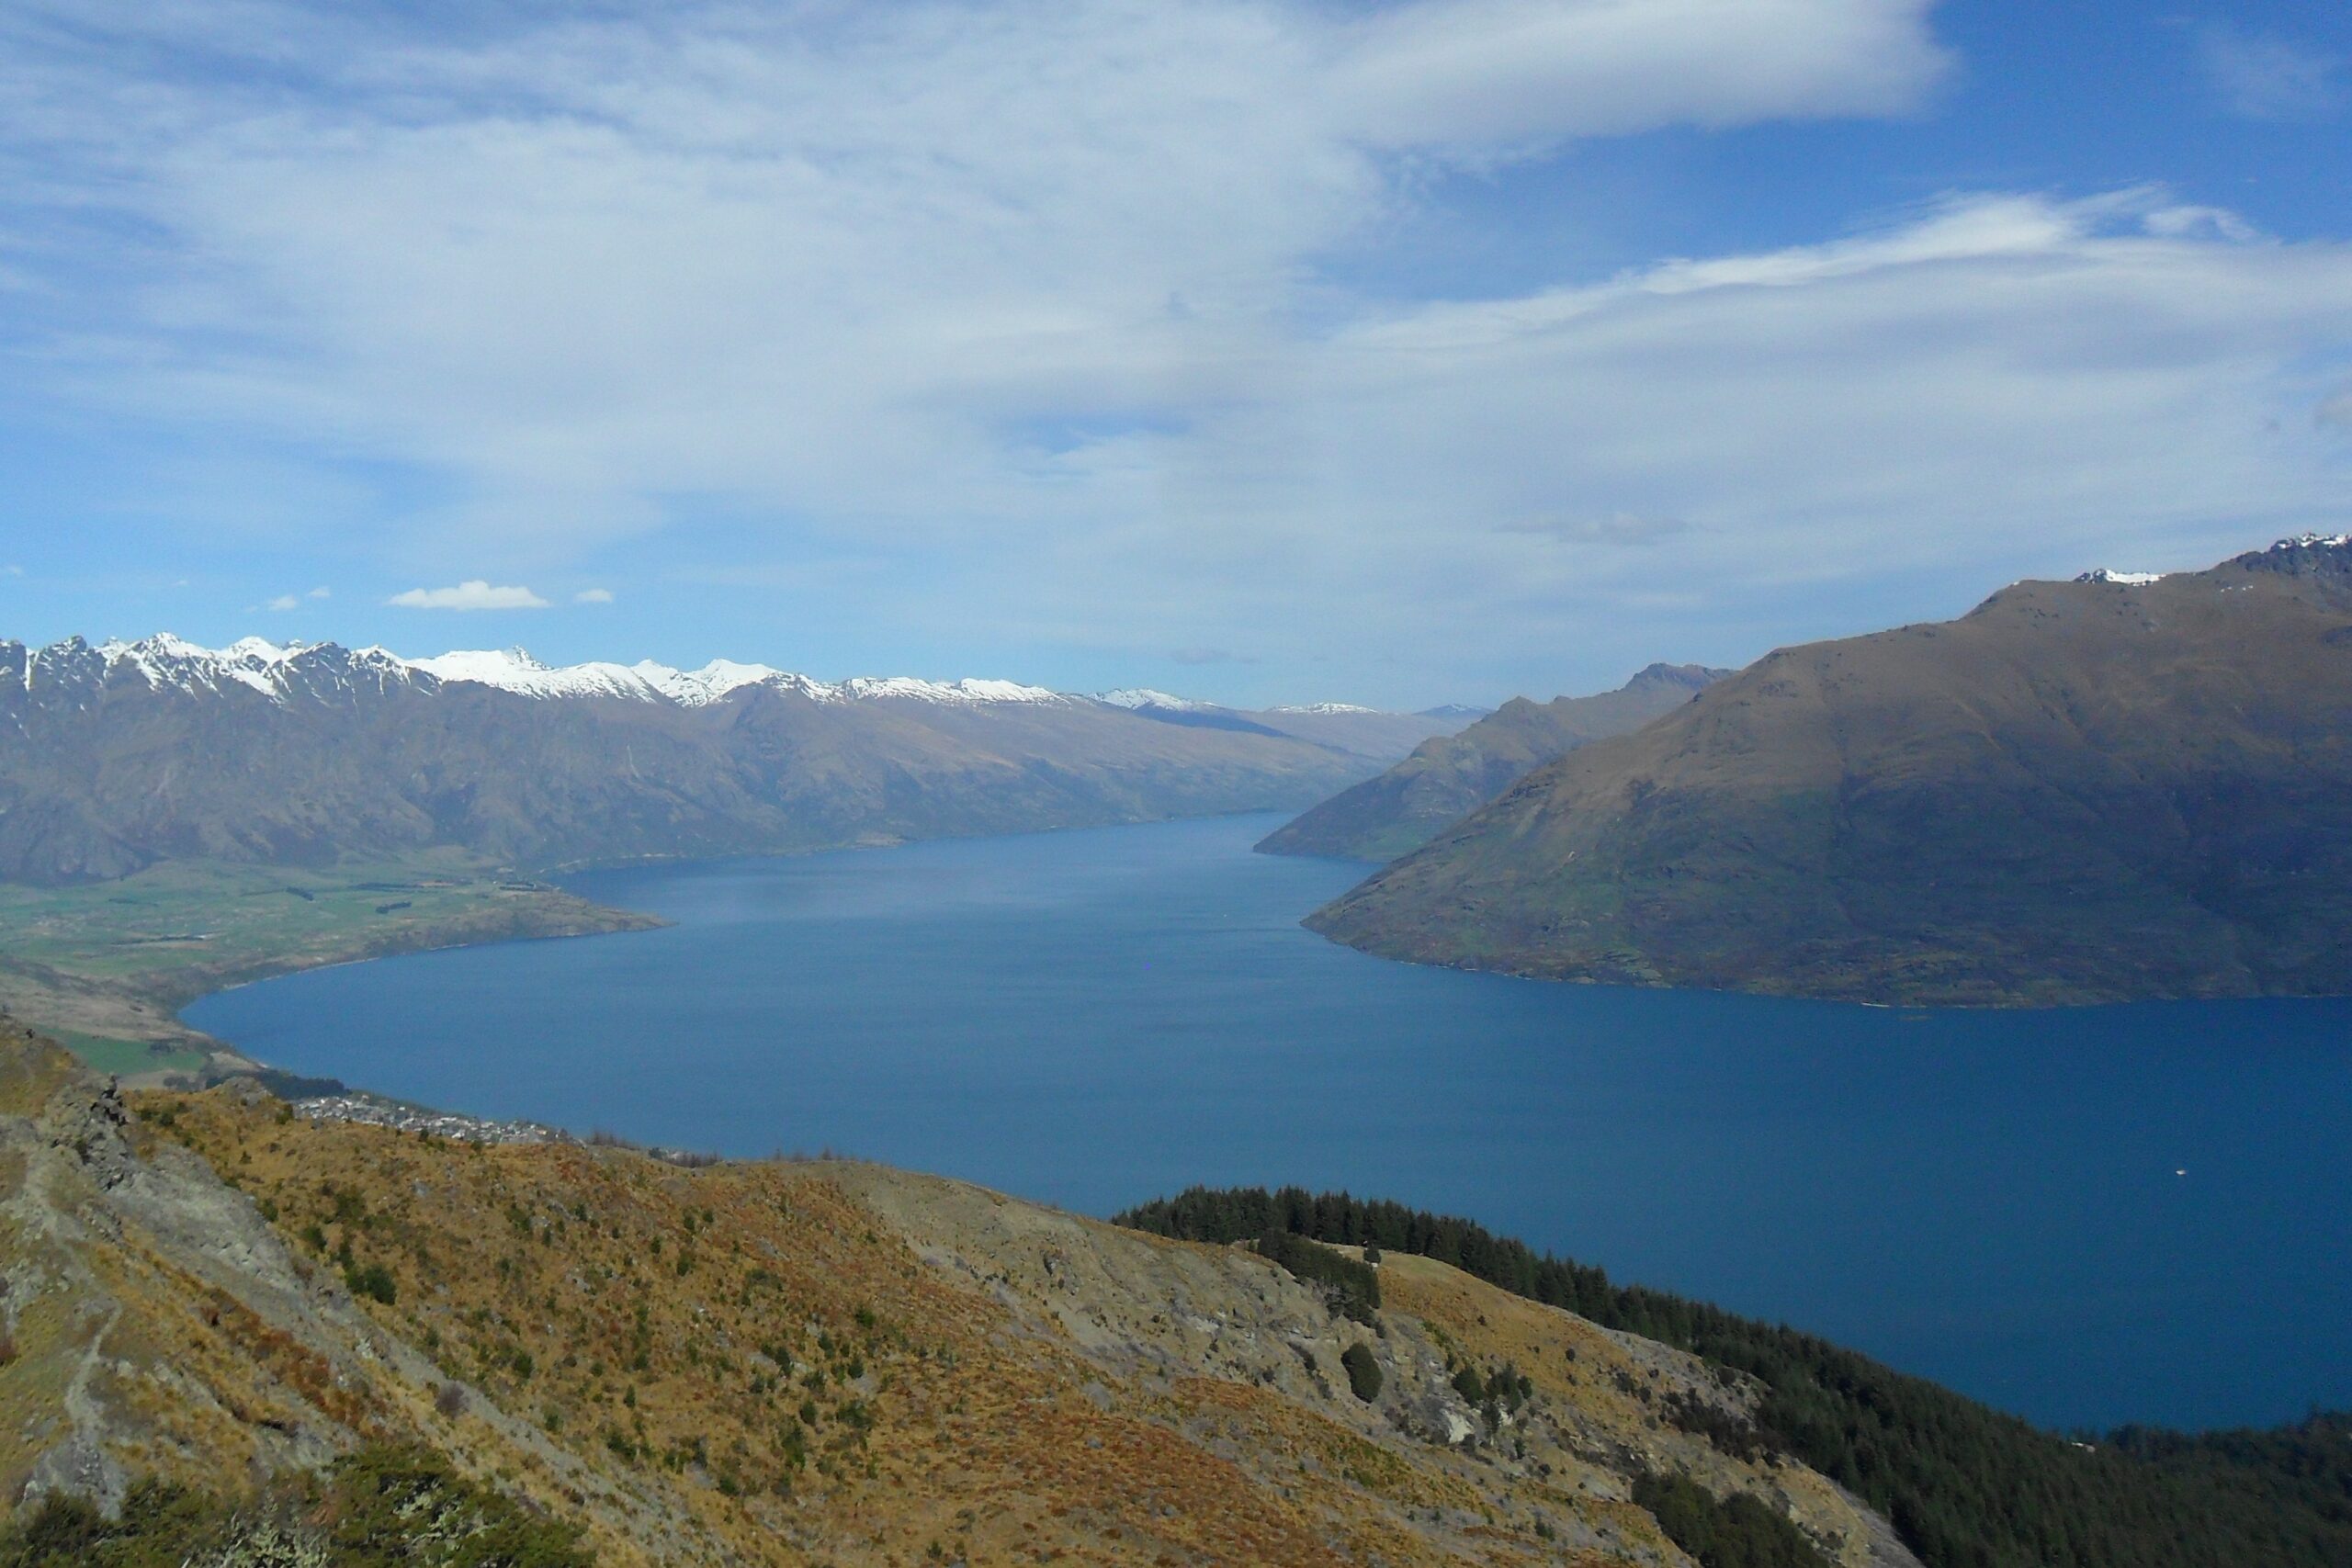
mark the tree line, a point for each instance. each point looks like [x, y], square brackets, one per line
[1965, 1485]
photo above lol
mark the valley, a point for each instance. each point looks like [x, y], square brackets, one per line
[1540, 784]
[1986, 1197]
[106, 967]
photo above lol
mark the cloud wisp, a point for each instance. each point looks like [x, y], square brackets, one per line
[2261, 75]
[476, 594]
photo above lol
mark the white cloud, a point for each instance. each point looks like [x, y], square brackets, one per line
[592, 596]
[12, 570]
[476, 594]
[1027, 297]
[285, 602]
[837, 263]
[319, 593]
[2264, 76]
[1488, 73]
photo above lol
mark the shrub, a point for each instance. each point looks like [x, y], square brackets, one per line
[373, 1281]
[381, 1508]
[1363, 1372]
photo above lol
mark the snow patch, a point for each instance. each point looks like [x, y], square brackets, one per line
[694, 688]
[1322, 708]
[863, 687]
[514, 669]
[2124, 578]
[1144, 697]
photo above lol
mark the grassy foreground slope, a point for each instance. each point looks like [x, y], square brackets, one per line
[1450, 776]
[2080, 791]
[822, 1362]
[1966, 1486]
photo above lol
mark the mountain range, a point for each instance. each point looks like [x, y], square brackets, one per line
[2126, 785]
[129, 752]
[1449, 776]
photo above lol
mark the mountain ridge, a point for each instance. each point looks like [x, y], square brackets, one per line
[138, 752]
[1447, 777]
[164, 659]
[2117, 788]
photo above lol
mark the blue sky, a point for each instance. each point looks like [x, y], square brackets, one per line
[1397, 353]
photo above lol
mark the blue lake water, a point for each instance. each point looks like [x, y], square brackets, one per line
[2087, 1216]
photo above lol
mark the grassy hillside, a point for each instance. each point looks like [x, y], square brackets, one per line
[780, 1363]
[2080, 792]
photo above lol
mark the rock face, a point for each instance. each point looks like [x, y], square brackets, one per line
[119, 756]
[154, 1320]
[2111, 788]
[780, 1362]
[1449, 777]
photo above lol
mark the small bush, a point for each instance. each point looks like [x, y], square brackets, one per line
[372, 1279]
[381, 1508]
[1364, 1371]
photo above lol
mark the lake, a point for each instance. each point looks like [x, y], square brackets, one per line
[2087, 1216]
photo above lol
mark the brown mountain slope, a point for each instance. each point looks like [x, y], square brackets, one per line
[778, 1362]
[2080, 792]
[1449, 777]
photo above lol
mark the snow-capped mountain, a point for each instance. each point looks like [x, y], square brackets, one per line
[283, 671]
[514, 669]
[115, 754]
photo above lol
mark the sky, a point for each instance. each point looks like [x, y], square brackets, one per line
[1399, 354]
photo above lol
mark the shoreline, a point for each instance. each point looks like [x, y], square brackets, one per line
[143, 1008]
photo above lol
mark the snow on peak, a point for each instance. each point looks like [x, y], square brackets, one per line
[2123, 579]
[865, 687]
[1144, 697]
[693, 688]
[278, 671]
[1322, 708]
[2313, 541]
[164, 660]
[514, 669]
